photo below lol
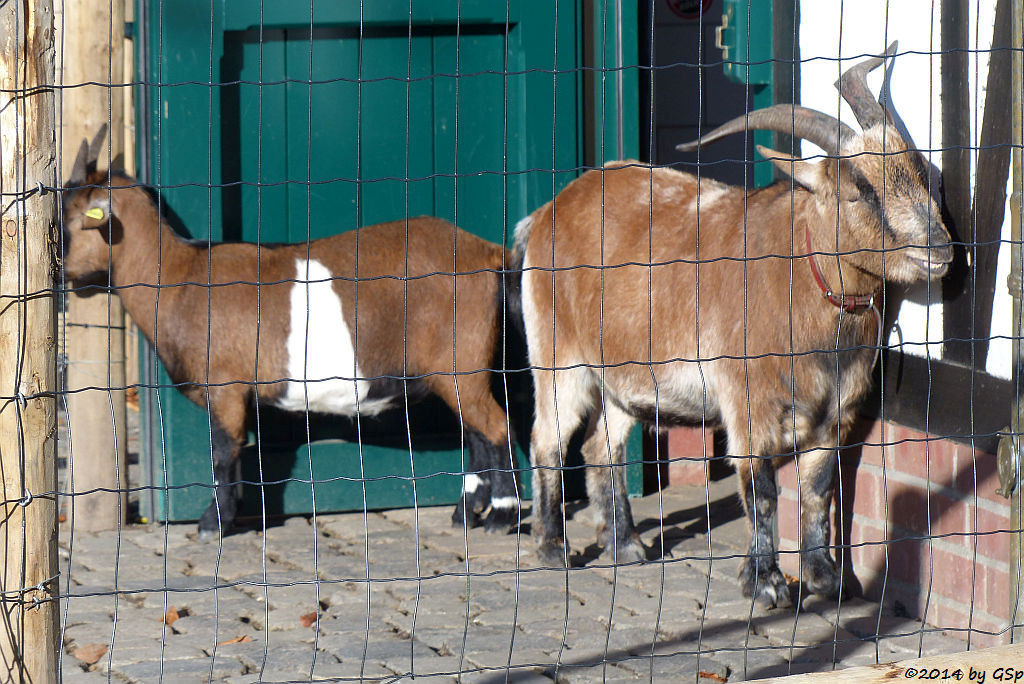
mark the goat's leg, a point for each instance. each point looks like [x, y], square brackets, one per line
[760, 576]
[495, 456]
[604, 449]
[553, 425]
[489, 480]
[476, 483]
[817, 470]
[220, 515]
[505, 513]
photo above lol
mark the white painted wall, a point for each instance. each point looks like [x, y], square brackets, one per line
[835, 35]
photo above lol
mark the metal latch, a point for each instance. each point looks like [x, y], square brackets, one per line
[1008, 455]
[720, 42]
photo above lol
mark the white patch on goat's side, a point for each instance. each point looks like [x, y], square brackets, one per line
[321, 360]
[470, 483]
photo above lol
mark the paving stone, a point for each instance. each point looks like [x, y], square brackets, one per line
[89, 600]
[518, 675]
[506, 609]
[280, 589]
[897, 635]
[354, 617]
[746, 657]
[356, 526]
[450, 620]
[667, 667]
[329, 667]
[427, 517]
[273, 655]
[159, 538]
[433, 669]
[489, 647]
[127, 651]
[381, 649]
[546, 617]
[200, 600]
[584, 673]
[72, 673]
[785, 627]
[237, 555]
[195, 670]
[342, 567]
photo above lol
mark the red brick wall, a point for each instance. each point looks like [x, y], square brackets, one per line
[925, 526]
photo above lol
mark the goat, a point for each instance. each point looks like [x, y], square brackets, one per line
[653, 295]
[315, 326]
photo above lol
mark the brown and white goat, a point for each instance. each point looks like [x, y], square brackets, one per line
[316, 334]
[651, 295]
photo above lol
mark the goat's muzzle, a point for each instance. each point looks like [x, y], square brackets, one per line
[932, 261]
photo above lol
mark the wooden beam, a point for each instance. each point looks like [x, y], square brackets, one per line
[954, 97]
[28, 526]
[992, 662]
[1014, 285]
[94, 332]
[992, 170]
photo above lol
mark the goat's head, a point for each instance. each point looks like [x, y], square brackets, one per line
[90, 226]
[873, 188]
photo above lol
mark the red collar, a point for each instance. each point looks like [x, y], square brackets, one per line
[848, 303]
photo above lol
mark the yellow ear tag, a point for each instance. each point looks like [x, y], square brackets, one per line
[94, 213]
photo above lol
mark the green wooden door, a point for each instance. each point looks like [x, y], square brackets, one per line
[468, 110]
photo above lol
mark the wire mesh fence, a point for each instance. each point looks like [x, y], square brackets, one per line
[418, 340]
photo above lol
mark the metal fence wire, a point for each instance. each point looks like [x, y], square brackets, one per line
[715, 379]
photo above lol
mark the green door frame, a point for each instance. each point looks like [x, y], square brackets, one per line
[180, 54]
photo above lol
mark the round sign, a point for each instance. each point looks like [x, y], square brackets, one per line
[689, 9]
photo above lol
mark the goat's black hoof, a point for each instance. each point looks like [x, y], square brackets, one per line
[630, 552]
[553, 553]
[767, 585]
[210, 525]
[820, 575]
[622, 551]
[465, 515]
[502, 519]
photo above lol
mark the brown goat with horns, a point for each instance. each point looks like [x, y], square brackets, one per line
[327, 329]
[652, 295]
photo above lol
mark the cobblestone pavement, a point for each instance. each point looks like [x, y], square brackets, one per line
[292, 603]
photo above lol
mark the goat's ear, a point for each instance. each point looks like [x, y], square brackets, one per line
[807, 174]
[97, 214]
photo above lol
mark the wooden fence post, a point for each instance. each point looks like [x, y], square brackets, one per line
[1014, 282]
[94, 324]
[28, 525]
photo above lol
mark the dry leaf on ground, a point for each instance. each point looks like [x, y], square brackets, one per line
[90, 654]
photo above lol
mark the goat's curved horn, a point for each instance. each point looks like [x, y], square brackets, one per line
[78, 172]
[853, 86]
[94, 147]
[85, 160]
[823, 130]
